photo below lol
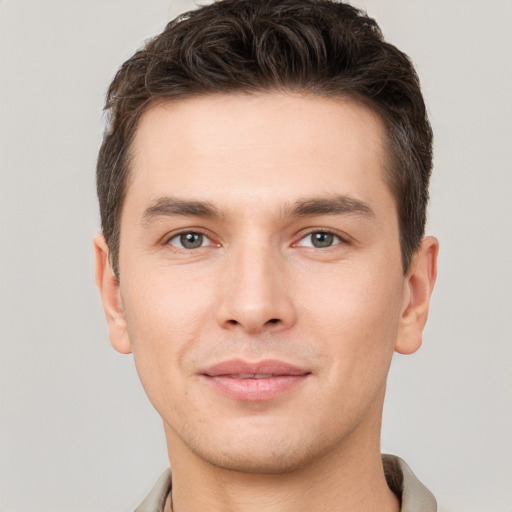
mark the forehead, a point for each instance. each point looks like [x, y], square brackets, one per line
[269, 146]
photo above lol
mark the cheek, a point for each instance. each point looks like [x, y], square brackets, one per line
[165, 316]
[164, 306]
[356, 313]
[368, 295]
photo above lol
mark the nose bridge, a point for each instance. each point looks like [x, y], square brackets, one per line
[254, 295]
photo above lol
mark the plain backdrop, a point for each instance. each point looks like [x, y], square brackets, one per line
[77, 432]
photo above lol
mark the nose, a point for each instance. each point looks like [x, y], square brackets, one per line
[254, 295]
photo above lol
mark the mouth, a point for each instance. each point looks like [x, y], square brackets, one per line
[254, 382]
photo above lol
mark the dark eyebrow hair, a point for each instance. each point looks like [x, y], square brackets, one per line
[328, 206]
[170, 206]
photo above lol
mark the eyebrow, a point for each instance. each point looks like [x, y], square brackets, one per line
[336, 205]
[172, 206]
[308, 207]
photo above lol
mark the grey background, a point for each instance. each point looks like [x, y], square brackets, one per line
[77, 432]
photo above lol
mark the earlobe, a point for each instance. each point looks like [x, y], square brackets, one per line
[108, 286]
[419, 284]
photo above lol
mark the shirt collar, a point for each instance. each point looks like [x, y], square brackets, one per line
[414, 496]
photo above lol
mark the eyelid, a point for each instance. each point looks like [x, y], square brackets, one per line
[343, 237]
[170, 236]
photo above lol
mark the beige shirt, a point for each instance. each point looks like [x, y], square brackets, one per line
[414, 496]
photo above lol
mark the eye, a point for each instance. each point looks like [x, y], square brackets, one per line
[319, 240]
[189, 240]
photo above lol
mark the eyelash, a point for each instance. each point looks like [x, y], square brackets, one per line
[189, 232]
[341, 239]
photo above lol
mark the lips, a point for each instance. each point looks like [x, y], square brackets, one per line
[252, 376]
[258, 381]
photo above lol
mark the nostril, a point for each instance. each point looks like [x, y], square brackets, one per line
[273, 321]
[233, 322]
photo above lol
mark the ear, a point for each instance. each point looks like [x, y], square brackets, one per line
[419, 284]
[108, 286]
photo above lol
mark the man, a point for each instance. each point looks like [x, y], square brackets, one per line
[263, 183]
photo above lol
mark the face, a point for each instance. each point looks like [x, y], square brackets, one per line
[261, 285]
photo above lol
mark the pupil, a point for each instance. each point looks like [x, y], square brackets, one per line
[322, 239]
[191, 240]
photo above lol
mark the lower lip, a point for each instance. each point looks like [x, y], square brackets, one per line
[255, 390]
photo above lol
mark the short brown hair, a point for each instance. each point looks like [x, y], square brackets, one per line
[319, 47]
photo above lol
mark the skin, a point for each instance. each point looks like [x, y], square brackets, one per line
[257, 288]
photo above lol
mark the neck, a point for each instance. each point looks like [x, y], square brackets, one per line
[348, 478]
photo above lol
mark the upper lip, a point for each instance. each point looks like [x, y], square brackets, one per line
[244, 368]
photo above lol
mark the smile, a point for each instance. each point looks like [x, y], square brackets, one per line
[254, 382]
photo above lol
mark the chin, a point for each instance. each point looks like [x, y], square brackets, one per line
[261, 460]
[263, 452]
